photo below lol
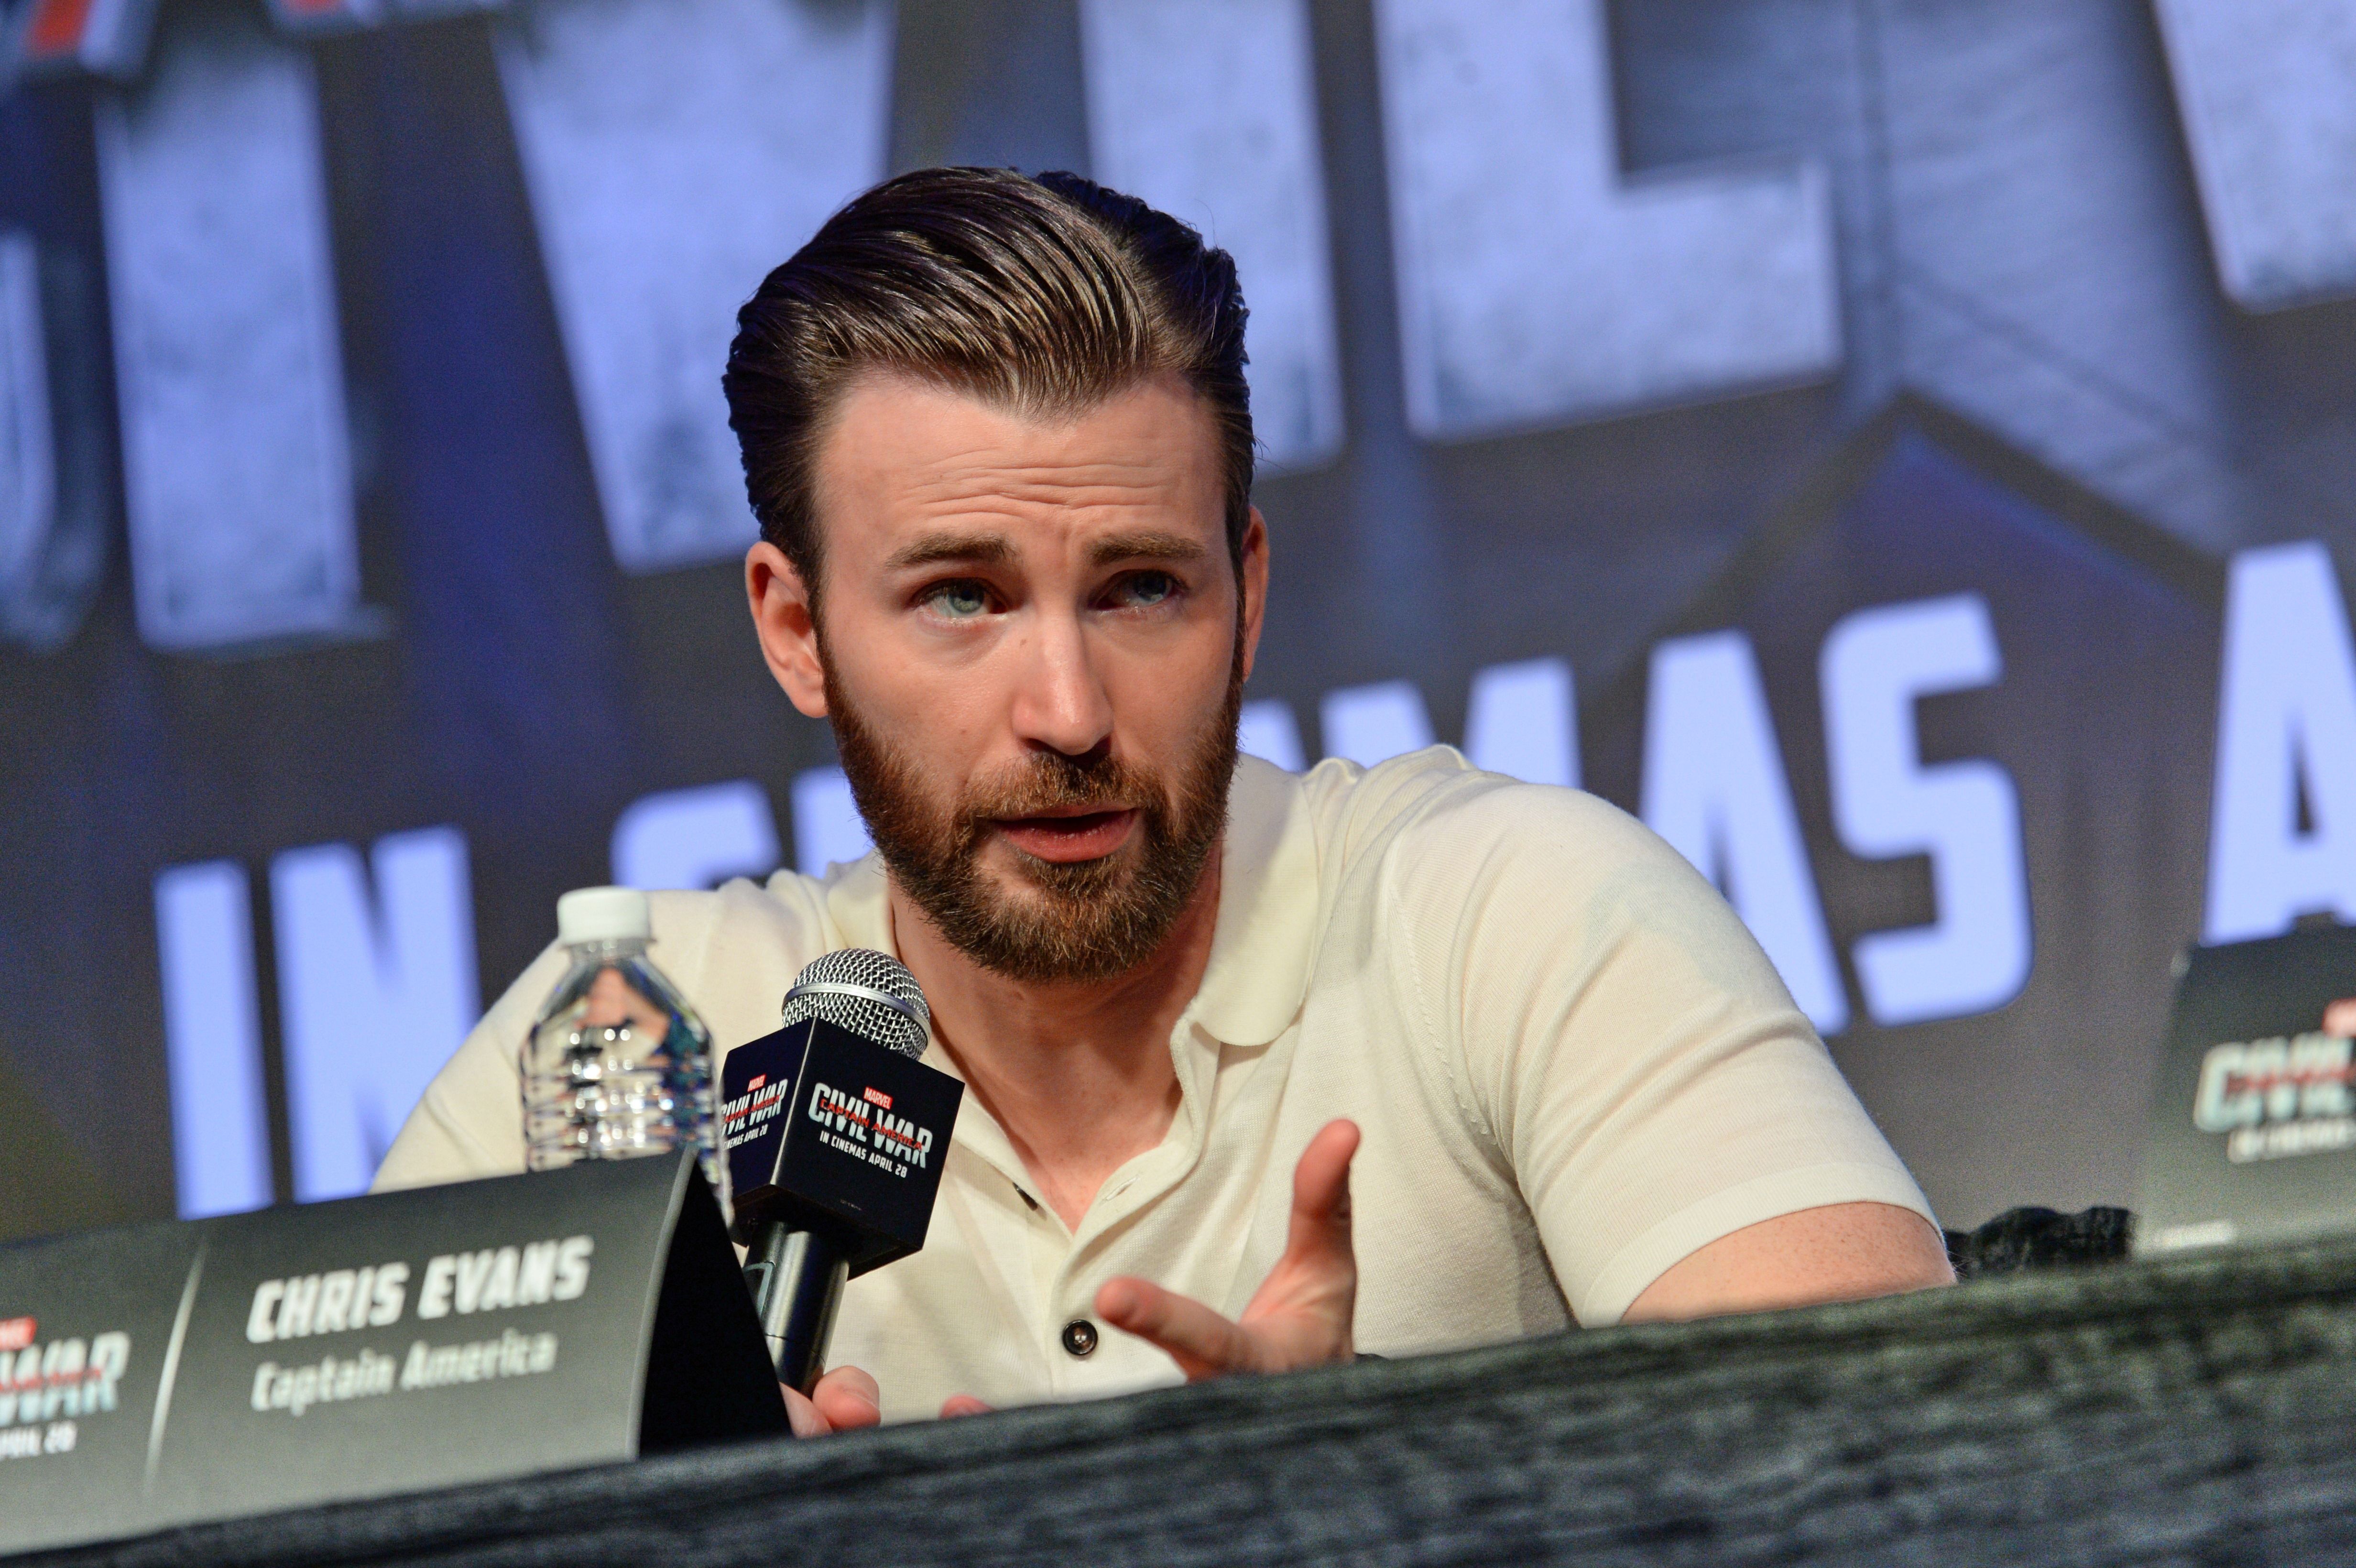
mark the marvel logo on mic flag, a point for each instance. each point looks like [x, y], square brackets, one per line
[828, 1132]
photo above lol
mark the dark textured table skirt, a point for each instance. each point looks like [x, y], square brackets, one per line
[2200, 1410]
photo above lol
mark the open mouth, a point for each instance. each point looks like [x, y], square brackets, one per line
[1070, 835]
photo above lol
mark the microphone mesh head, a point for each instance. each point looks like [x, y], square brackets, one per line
[870, 994]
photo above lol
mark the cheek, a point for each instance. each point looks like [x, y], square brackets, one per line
[943, 717]
[1162, 705]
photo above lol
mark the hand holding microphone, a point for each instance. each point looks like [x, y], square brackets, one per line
[844, 1399]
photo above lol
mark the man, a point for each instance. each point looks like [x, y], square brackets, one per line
[996, 434]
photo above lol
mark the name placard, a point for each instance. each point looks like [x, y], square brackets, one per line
[163, 1374]
[2254, 1139]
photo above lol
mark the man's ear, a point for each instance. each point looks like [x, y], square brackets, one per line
[783, 620]
[1254, 586]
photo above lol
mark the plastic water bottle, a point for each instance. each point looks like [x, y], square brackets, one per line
[618, 1065]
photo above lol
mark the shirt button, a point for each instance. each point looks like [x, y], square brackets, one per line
[1079, 1337]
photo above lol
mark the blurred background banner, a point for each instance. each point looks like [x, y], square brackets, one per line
[1905, 450]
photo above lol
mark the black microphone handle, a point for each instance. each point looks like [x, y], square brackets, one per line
[796, 1278]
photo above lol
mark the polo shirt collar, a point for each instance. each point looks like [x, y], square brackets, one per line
[859, 903]
[1265, 940]
[1266, 937]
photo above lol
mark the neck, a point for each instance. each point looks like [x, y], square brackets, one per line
[1078, 1073]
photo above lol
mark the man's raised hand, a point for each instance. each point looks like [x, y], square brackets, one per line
[1301, 1315]
[843, 1399]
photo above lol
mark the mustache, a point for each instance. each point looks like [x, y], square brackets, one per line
[1049, 780]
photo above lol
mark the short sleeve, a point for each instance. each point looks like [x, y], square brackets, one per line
[1626, 1045]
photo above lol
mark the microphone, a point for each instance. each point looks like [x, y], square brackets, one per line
[835, 1136]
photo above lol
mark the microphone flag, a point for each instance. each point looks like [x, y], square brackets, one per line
[828, 1132]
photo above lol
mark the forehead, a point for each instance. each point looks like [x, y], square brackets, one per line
[902, 456]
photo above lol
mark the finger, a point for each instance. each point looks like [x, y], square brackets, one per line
[1320, 1193]
[1203, 1343]
[802, 1415]
[848, 1398]
[963, 1405]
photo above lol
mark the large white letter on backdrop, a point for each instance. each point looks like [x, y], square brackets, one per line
[1975, 955]
[827, 828]
[212, 1039]
[1370, 724]
[374, 993]
[695, 838]
[2269, 116]
[1535, 286]
[1714, 787]
[27, 457]
[676, 153]
[1207, 108]
[1267, 730]
[1522, 721]
[2285, 728]
[228, 366]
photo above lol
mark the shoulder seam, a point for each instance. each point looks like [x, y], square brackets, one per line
[1454, 1066]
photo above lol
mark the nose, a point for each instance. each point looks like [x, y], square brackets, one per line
[1060, 702]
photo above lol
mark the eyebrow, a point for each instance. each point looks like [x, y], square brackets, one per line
[935, 550]
[997, 549]
[1144, 547]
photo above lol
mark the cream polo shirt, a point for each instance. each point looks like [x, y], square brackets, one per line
[1571, 1065]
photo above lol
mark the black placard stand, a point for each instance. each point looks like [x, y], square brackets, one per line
[707, 1369]
[163, 1374]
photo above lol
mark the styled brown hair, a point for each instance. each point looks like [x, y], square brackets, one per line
[1044, 295]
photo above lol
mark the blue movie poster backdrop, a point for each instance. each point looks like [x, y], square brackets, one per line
[1901, 452]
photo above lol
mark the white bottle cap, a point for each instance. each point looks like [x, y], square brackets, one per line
[602, 914]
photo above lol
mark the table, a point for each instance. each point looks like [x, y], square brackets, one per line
[2194, 1408]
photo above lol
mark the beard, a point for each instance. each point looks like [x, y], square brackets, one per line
[1077, 921]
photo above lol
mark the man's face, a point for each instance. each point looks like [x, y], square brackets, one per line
[1032, 645]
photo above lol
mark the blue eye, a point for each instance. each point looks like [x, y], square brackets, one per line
[1149, 588]
[959, 601]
